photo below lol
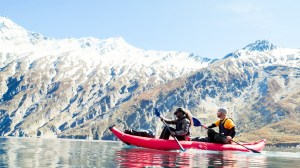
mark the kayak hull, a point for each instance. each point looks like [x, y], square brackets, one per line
[161, 144]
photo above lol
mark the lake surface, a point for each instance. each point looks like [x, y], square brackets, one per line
[37, 152]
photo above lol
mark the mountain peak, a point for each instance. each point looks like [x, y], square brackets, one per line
[11, 31]
[6, 23]
[260, 45]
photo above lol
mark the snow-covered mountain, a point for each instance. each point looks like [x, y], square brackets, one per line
[262, 53]
[258, 88]
[78, 87]
[260, 46]
[83, 78]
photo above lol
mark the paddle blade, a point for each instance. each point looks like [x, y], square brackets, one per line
[157, 112]
[196, 122]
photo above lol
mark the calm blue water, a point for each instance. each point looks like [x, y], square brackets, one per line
[32, 152]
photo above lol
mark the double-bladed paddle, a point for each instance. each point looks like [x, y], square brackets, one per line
[158, 115]
[197, 123]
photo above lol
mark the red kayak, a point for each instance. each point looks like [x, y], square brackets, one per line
[161, 144]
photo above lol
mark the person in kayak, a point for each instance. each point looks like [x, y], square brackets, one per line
[183, 124]
[226, 129]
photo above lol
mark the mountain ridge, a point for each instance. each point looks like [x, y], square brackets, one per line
[260, 46]
[76, 88]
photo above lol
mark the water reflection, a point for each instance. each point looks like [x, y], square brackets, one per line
[33, 152]
[218, 160]
[236, 160]
[140, 157]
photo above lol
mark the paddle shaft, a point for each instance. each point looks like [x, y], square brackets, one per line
[252, 150]
[173, 136]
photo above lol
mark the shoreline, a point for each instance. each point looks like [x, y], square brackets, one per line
[285, 145]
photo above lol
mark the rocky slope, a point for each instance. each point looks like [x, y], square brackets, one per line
[76, 88]
[49, 86]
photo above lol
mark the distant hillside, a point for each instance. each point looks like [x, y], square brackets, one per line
[285, 131]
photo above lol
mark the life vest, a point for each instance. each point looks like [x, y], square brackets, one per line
[222, 130]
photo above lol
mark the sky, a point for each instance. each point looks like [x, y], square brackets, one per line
[209, 28]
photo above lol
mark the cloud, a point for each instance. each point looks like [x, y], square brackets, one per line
[252, 13]
[242, 7]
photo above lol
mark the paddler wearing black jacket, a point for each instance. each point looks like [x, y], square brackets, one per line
[183, 124]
